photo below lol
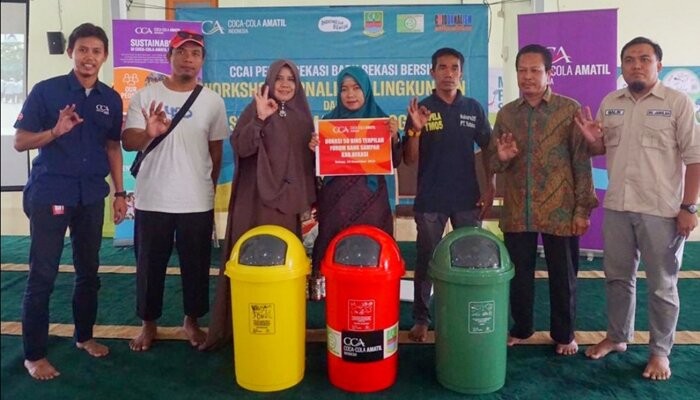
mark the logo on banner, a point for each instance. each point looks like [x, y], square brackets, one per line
[334, 24]
[374, 23]
[410, 23]
[563, 65]
[453, 22]
[683, 80]
[130, 85]
[130, 79]
[558, 54]
[212, 27]
[143, 30]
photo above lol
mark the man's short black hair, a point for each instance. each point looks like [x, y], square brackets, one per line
[642, 40]
[88, 30]
[448, 51]
[537, 49]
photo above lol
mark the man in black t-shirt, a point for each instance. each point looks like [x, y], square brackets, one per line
[440, 133]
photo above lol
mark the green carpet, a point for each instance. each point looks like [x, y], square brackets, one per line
[15, 250]
[591, 303]
[166, 372]
[172, 371]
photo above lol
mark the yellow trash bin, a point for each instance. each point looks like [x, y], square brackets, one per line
[268, 268]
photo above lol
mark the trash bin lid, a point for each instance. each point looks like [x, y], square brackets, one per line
[475, 252]
[471, 255]
[268, 253]
[263, 251]
[357, 251]
[363, 252]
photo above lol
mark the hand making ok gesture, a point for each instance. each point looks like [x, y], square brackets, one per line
[264, 105]
[419, 114]
[157, 121]
[507, 147]
[67, 120]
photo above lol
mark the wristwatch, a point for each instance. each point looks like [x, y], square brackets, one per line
[691, 208]
[120, 194]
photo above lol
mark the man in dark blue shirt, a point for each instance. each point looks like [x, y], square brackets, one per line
[441, 132]
[75, 122]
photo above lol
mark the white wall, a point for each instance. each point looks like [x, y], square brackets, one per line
[671, 23]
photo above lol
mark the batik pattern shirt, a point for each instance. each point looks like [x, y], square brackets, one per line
[549, 182]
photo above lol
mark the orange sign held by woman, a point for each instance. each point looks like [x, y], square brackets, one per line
[354, 147]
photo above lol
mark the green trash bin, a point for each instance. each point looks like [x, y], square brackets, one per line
[471, 272]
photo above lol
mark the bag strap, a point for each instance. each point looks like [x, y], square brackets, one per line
[181, 113]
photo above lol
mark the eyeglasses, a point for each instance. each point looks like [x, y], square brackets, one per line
[190, 35]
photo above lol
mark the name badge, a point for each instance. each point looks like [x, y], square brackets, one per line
[614, 111]
[659, 113]
[58, 210]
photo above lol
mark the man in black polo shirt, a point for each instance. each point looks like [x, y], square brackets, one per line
[75, 122]
[441, 133]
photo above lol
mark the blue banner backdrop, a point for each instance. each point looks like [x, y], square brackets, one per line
[393, 44]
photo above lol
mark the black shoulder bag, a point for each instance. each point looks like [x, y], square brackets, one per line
[136, 165]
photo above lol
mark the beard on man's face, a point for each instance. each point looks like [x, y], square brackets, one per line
[637, 86]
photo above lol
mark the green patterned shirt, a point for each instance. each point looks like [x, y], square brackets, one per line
[549, 181]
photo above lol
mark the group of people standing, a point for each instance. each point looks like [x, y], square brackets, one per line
[541, 144]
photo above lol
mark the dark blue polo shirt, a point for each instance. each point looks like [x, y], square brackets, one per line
[71, 169]
[447, 180]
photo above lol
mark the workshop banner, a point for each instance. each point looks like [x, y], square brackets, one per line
[393, 44]
[584, 49]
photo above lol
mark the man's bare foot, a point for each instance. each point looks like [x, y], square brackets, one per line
[567, 349]
[41, 369]
[143, 341]
[419, 333]
[93, 348]
[602, 349]
[193, 332]
[512, 341]
[658, 368]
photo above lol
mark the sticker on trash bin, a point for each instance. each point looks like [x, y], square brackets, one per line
[391, 340]
[481, 316]
[262, 318]
[363, 346]
[334, 340]
[361, 315]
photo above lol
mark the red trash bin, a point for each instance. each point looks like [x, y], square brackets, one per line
[363, 268]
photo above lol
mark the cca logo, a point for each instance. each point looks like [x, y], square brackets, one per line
[212, 27]
[340, 129]
[351, 341]
[142, 30]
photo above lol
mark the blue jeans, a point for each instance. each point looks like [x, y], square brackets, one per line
[430, 227]
[48, 226]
